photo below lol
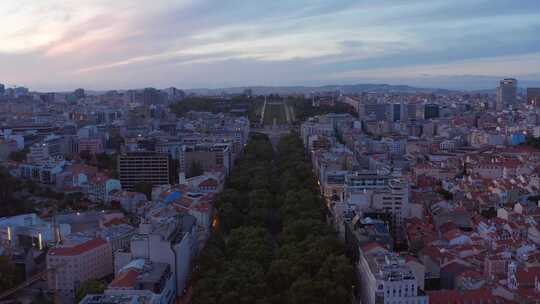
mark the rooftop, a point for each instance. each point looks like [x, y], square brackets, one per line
[119, 299]
[388, 266]
[77, 249]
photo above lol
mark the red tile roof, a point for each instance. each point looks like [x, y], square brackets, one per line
[527, 276]
[370, 246]
[125, 279]
[77, 249]
[210, 182]
[115, 221]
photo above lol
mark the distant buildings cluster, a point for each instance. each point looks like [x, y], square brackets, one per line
[435, 196]
[98, 149]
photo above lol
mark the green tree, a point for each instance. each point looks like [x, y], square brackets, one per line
[9, 274]
[276, 246]
[42, 298]
[89, 287]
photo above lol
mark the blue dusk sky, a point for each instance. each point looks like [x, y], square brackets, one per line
[106, 44]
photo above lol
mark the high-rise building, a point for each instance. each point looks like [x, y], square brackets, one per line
[377, 111]
[506, 93]
[431, 110]
[396, 112]
[151, 96]
[413, 111]
[146, 167]
[533, 96]
[2, 89]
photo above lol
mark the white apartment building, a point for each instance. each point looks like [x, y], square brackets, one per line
[172, 241]
[369, 191]
[385, 278]
[142, 277]
[39, 152]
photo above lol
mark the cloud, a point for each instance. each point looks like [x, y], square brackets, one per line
[129, 43]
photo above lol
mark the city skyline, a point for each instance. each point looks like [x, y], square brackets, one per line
[58, 45]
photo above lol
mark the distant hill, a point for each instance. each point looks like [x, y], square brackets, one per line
[346, 89]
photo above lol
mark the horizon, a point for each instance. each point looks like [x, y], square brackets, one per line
[456, 89]
[55, 45]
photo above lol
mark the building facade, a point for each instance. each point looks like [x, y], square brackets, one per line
[147, 167]
[70, 266]
[506, 93]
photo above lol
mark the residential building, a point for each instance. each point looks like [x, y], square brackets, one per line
[171, 241]
[70, 266]
[147, 167]
[143, 276]
[209, 157]
[91, 145]
[28, 230]
[386, 278]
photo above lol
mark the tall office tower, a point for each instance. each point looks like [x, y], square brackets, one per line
[151, 96]
[413, 111]
[396, 112]
[147, 167]
[377, 111]
[533, 96]
[431, 110]
[506, 93]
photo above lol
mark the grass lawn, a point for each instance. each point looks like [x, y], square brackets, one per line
[277, 111]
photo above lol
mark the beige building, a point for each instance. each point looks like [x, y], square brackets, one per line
[70, 266]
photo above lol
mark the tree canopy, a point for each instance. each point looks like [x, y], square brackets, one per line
[273, 245]
[304, 109]
[10, 276]
[89, 287]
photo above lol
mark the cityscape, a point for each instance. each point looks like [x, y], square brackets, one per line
[177, 153]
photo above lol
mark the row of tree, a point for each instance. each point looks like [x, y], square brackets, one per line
[303, 108]
[273, 245]
[217, 105]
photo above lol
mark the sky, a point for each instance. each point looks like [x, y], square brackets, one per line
[121, 44]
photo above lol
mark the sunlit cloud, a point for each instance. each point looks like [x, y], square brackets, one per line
[102, 44]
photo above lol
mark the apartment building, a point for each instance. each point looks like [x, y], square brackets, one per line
[369, 191]
[91, 145]
[70, 266]
[142, 276]
[386, 278]
[148, 167]
[210, 156]
[171, 241]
